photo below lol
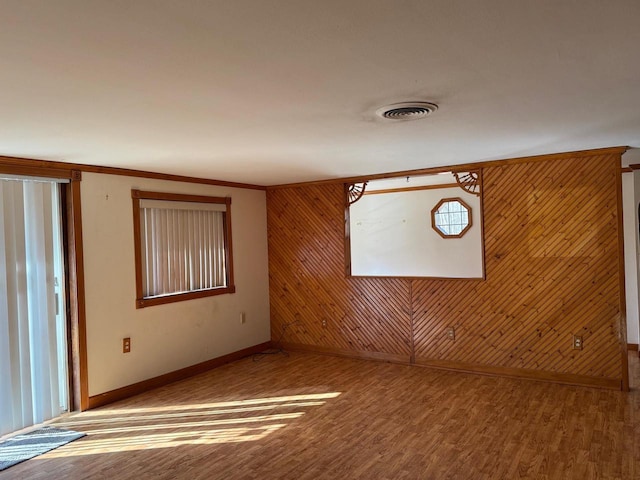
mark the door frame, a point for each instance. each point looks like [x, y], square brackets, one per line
[74, 271]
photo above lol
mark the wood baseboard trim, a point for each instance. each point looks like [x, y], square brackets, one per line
[381, 357]
[171, 377]
[520, 373]
[632, 347]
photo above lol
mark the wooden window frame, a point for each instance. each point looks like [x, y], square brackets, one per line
[464, 230]
[141, 300]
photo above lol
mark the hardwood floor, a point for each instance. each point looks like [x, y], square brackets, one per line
[319, 417]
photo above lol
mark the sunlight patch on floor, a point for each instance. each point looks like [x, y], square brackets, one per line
[198, 413]
[210, 423]
[236, 403]
[163, 440]
[124, 429]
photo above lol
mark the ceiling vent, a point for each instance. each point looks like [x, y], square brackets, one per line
[407, 110]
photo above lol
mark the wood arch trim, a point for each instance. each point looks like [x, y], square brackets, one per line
[354, 192]
[470, 181]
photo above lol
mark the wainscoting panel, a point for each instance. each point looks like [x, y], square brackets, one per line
[552, 271]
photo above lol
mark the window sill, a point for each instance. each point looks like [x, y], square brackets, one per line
[179, 297]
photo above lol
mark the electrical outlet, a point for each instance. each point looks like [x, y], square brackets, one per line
[126, 345]
[324, 322]
[451, 333]
[243, 318]
[577, 342]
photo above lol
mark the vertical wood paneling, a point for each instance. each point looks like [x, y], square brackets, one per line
[552, 271]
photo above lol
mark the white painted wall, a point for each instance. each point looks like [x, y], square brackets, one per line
[630, 220]
[391, 235]
[168, 337]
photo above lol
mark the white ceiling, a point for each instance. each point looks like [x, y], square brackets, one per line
[269, 92]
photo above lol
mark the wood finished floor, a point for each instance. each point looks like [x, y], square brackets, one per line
[319, 417]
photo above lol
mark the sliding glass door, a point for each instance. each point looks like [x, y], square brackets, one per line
[34, 379]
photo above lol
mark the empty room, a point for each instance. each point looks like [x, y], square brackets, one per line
[358, 239]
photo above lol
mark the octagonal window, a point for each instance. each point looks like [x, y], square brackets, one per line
[451, 218]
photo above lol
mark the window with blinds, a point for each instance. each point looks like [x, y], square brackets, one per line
[183, 247]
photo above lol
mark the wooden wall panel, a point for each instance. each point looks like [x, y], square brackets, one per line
[551, 253]
[308, 284]
[552, 271]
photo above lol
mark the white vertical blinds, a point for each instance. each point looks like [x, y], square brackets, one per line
[33, 368]
[182, 250]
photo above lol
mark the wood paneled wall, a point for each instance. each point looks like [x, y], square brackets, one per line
[553, 270]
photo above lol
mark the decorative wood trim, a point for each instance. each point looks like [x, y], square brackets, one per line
[622, 321]
[411, 189]
[469, 182]
[177, 197]
[521, 373]
[634, 166]
[355, 191]
[336, 352]
[141, 300]
[32, 171]
[627, 169]
[77, 296]
[459, 168]
[469, 216]
[171, 377]
[632, 347]
[65, 166]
